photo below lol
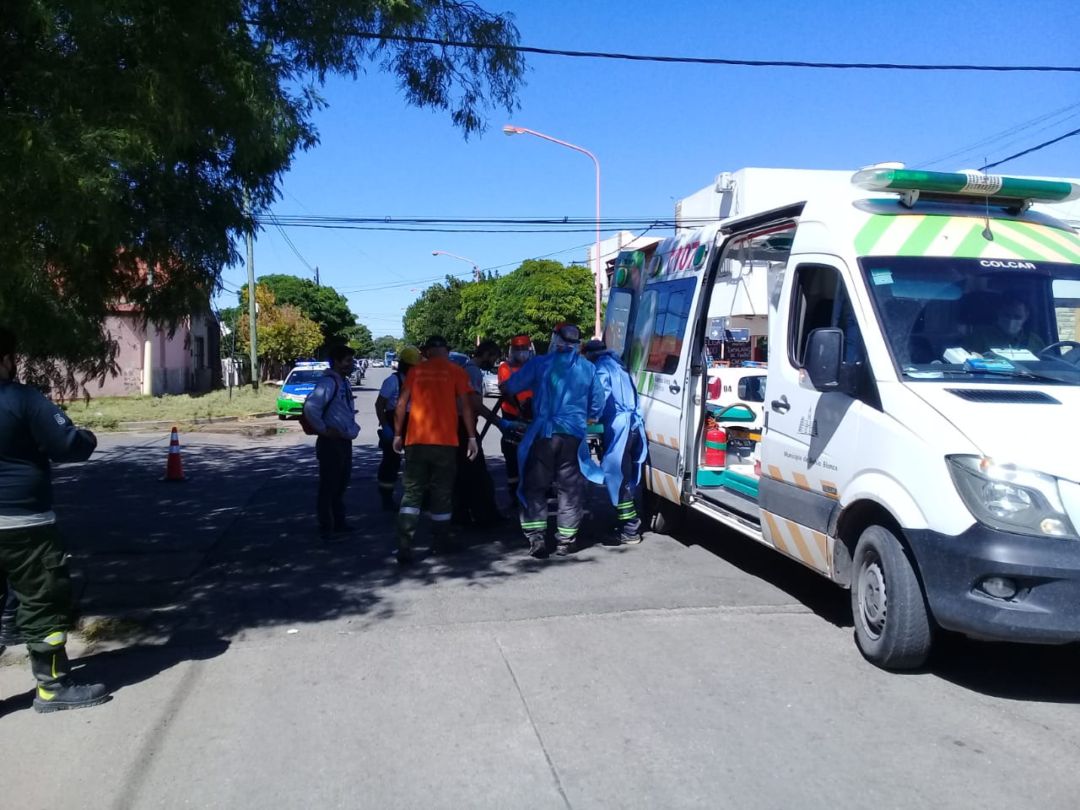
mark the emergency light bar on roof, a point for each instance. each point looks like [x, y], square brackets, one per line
[1016, 192]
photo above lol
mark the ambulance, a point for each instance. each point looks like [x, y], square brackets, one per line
[916, 436]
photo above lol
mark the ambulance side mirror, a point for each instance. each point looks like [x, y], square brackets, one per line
[824, 352]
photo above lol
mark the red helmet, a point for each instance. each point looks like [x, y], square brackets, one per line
[520, 342]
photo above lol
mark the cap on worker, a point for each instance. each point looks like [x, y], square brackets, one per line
[436, 342]
[594, 346]
[520, 342]
[410, 356]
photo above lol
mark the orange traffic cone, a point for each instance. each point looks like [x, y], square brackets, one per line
[174, 468]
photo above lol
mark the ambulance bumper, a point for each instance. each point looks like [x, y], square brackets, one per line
[968, 578]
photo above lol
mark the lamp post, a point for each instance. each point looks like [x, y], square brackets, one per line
[477, 275]
[510, 129]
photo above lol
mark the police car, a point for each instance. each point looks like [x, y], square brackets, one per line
[300, 382]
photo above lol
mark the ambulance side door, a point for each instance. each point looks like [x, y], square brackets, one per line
[663, 347]
[811, 443]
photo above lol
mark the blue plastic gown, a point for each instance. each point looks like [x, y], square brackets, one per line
[621, 418]
[565, 397]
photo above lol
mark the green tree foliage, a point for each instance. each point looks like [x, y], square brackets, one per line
[538, 295]
[282, 332]
[386, 343]
[528, 301]
[435, 312]
[130, 129]
[359, 337]
[322, 304]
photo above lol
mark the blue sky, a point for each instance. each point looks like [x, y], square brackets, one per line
[664, 131]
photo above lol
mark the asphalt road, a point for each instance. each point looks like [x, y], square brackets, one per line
[703, 671]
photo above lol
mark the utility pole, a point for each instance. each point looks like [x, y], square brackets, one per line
[148, 347]
[252, 311]
[316, 275]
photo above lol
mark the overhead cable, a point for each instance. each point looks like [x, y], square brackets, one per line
[700, 60]
[1035, 148]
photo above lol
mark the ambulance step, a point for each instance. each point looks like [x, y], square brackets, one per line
[728, 518]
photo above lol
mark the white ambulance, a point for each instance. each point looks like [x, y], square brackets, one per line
[920, 439]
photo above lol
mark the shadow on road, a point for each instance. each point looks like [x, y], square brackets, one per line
[236, 546]
[800, 583]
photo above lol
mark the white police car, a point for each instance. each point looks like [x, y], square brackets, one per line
[298, 384]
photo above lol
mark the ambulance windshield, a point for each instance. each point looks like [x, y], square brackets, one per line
[994, 319]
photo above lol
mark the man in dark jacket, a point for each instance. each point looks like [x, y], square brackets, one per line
[33, 431]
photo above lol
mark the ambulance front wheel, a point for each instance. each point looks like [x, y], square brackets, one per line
[892, 624]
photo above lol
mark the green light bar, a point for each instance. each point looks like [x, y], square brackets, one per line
[971, 184]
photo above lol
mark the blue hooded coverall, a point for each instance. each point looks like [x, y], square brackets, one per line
[565, 397]
[624, 441]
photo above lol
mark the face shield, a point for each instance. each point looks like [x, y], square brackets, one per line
[519, 356]
[565, 338]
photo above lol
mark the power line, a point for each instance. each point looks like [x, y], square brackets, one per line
[697, 60]
[292, 246]
[435, 279]
[1005, 133]
[1035, 148]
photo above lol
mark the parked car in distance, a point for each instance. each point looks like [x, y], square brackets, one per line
[491, 384]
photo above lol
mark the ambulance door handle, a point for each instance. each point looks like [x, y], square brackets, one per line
[674, 388]
[781, 405]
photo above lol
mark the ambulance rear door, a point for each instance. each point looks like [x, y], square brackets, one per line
[661, 355]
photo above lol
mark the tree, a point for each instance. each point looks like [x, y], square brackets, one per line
[530, 300]
[360, 339]
[322, 304]
[386, 343]
[435, 312]
[141, 135]
[282, 333]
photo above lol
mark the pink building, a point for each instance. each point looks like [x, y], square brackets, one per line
[186, 361]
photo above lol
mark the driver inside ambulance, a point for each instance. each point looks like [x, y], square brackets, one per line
[1008, 330]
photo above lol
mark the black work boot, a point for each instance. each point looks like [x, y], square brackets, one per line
[56, 691]
[537, 546]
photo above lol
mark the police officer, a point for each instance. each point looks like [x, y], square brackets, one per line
[33, 431]
[331, 412]
[552, 451]
[385, 403]
[623, 442]
[521, 352]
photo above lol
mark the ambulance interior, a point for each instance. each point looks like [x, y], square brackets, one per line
[734, 346]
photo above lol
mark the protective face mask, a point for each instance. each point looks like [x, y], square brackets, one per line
[519, 357]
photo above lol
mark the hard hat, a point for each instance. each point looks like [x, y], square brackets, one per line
[520, 342]
[410, 356]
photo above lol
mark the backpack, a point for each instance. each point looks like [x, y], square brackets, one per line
[306, 426]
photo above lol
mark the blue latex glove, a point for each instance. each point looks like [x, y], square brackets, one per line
[505, 425]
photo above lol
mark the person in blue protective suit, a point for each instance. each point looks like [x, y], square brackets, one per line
[623, 442]
[553, 450]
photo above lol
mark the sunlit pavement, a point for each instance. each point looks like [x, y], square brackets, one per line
[271, 669]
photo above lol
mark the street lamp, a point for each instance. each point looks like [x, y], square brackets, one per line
[477, 275]
[510, 129]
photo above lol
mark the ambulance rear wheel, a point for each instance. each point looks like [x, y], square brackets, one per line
[892, 624]
[666, 517]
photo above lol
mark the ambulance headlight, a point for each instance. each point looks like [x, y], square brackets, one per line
[1011, 498]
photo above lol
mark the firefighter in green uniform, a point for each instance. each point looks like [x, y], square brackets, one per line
[33, 431]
